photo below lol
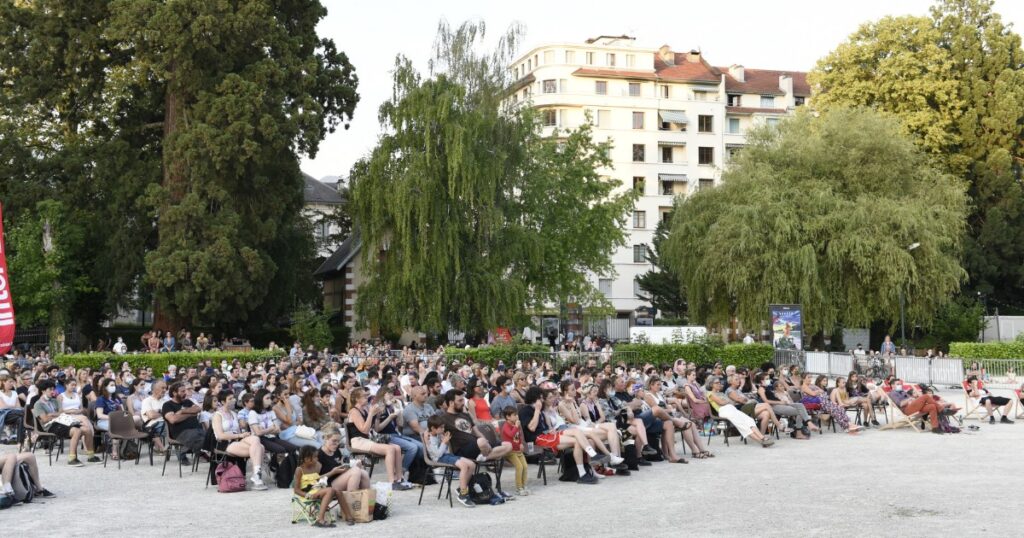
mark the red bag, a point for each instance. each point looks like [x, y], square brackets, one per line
[229, 478]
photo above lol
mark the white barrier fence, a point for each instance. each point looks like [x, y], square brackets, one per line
[944, 372]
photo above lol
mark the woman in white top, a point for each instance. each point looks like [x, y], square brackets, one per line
[740, 420]
[11, 413]
[239, 444]
[597, 432]
[135, 399]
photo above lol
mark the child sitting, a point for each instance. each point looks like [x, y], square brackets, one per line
[306, 484]
[438, 448]
[511, 433]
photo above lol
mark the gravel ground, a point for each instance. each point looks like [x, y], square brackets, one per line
[879, 482]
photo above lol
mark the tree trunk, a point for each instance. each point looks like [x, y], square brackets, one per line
[166, 317]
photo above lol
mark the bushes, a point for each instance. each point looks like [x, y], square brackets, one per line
[490, 355]
[969, 351]
[751, 356]
[160, 361]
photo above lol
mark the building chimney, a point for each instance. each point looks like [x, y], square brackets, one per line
[737, 72]
[693, 56]
[786, 85]
[666, 55]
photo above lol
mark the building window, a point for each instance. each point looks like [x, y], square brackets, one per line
[630, 60]
[734, 99]
[604, 118]
[601, 87]
[639, 219]
[638, 120]
[639, 253]
[666, 214]
[638, 153]
[772, 122]
[705, 184]
[604, 285]
[590, 58]
[767, 101]
[706, 156]
[634, 89]
[666, 154]
[610, 58]
[529, 65]
[665, 91]
[549, 57]
[705, 124]
[734, 126]
[638, 182]
[637, 290]
[731, 152]
[798, 101]
[700, 95]
[668, 188]
[570, 57]
[550, 117]
[536, 60]
[550, 86]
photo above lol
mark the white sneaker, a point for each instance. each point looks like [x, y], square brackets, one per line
[257, 483]
[481, 458]
[615, 460]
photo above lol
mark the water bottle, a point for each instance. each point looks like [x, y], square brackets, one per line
[785, 423]
[529, 448]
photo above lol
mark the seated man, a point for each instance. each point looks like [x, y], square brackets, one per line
[912, 401]
[180, 416]
[976, 389]
[47, 410]
[466, 439]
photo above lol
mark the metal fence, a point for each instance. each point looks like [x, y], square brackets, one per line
[1000, 373]
[944, 372]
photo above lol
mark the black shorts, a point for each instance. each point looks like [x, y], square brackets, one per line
[469, 451]
[59, 430]
[997, 401]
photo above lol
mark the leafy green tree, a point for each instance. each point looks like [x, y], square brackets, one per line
[468, 215]
[956, 82]
[820, 211]
[310, 327]
[661, 285]
[960, 320]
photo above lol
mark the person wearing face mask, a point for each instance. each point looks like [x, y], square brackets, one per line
[795, 412]
[503, 398]
[107, 402]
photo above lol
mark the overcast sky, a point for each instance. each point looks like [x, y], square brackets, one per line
[783, 34]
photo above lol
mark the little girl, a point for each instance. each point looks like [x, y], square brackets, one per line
[307, 476]
[511, 433]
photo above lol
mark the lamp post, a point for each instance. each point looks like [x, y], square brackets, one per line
[903, 329]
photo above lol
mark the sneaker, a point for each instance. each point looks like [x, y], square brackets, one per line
[1005, 420]
[937, 431]
[183, 459]
[587, 479]
[6, 501]
[93, 459]
[643, 463]
[481, 458]
[599, 458]
[257, 483]
[522, 492]
[875, 423]
[46, 493]
[507, 496]
[615, 460]
[400, 486]
[465, 500]
[408, 484]
[75, 462]
[991, 420]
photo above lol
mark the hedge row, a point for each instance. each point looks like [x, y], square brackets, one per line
[969, 351]
[490, 355]
[748, 355]
[160, 361]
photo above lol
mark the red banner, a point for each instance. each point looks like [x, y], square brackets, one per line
[6, 303]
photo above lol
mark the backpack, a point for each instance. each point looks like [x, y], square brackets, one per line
[945, 426]
[480, 488]
[569, 471]
[286, 471]
[229, 478]
[24, 487]
[129, 450]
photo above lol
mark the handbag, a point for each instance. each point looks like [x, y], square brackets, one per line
[305, 432]
[65, 419]
[382, 438]
[229, 478]
[361, 504]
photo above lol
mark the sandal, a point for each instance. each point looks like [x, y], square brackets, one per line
[324, 525]
[681, 460]
[700, 455]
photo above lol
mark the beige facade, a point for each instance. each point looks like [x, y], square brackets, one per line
[673, 118]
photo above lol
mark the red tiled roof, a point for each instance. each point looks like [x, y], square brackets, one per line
[685, 70]
[765, 82]
[614, 73]
[749, 110]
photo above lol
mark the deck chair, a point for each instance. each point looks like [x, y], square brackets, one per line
[973, 408]
[901, 420]
[448, 472]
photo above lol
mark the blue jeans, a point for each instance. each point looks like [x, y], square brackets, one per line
[288, 434]
[411, 449]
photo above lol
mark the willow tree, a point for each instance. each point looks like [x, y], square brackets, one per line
[955, 80]
[468, 216]
[821, 211]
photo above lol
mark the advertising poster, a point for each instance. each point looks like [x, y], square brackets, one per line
[787, 326]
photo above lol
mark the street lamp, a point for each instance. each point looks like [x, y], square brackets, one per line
[903, 329]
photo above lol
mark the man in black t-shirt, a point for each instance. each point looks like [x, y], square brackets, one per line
[466, 440]
[182, 424]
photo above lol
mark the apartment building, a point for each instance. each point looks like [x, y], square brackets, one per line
[674, 119]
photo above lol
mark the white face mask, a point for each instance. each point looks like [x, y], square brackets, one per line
[128, 380]
[111, 389]
[898, 387]
[509, 387]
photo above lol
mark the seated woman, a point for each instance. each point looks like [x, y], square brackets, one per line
[12, 414]
[343, 474]
[598, 432]
[476, 405]
[133, 403]
[695, 397]
[342, 402]
[536, 430]
[740, 420]
[815, 394]
[231, 438]
[388, 422]
[361, 421]
[290, 418]
[314, 414]
[107, 402]
[263, 424]
[842, 398]
[796, 412]
[760, 412]
[659, 406]
[623, 418]
[858, 390]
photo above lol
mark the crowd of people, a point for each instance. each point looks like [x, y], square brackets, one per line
[309, 415]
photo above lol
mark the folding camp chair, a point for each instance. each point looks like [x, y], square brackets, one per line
[307, 509]
[900, 419]
[973, 408]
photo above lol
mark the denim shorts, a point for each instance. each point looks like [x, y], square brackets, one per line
[448, 458]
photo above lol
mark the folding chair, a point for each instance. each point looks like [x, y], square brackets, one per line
[449, 472]
[180, 449]
[900, 419]
[41, 437]
[122, 429]
[308, 509]
[495, 466]
[973, 408]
